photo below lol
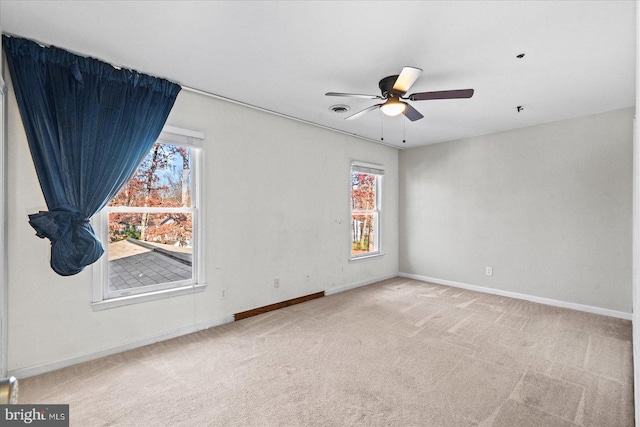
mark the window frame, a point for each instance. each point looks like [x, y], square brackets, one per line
[378, 171]
[103, 298]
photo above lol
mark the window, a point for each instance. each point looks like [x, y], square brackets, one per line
[366, 184]
[151, 229]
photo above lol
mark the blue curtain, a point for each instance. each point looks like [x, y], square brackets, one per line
[89, 125]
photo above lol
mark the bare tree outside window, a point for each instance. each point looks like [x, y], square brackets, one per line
[151, 222]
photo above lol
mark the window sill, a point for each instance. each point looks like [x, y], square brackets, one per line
[367, 256]
[150, 296]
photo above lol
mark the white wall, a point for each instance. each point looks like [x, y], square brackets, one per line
[548, 207]
[3, 228]
[277, 206]
[636, 231]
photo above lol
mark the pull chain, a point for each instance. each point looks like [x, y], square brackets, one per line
[404, 131]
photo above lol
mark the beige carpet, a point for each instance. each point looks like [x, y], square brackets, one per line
[396, 353]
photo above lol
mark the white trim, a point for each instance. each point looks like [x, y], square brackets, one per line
[357, 285]
[367, 256]
[172, 135]
[540, 300]
[59, 364]
[370, 168]
[99, 269]
[199, 215]
[149, 210]
[146, 296]
[180, 132]
[355, 162]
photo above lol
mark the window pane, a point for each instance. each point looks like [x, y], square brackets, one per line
[149, 249]
[363, 191]
[363, 233]
[163, 179]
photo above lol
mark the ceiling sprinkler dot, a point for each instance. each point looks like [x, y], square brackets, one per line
[520, 56]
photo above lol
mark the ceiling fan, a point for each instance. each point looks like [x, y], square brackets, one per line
[394, 88]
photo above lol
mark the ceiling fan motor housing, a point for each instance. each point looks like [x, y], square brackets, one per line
[386, 86]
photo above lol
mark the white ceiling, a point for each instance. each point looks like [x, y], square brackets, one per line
[283, 56]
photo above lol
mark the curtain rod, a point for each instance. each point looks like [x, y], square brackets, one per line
[255, 107]
[233, 101]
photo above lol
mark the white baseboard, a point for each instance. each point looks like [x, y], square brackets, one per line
[541, 300]
[52, 366]
[357, 284]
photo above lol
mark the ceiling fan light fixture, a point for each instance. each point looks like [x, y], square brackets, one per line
[393, 107]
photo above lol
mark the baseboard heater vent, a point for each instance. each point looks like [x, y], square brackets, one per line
[276, 306]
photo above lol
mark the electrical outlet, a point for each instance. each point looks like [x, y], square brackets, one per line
[488, 271]
[276, 282]
[224, 293]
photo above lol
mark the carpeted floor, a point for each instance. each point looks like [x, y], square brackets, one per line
[396, 353]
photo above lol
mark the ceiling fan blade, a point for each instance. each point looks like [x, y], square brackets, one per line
[411, 113]
[407, 77]
[353, 95]
[443, 94]
[363, 112]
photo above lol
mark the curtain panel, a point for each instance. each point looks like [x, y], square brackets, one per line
[88, 125]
